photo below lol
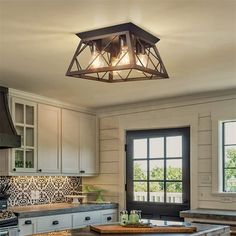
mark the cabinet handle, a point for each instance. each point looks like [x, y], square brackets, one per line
[4, 233]
[87, 218]
[28, 222]
[82, 171]
[40, 170]
[55, 222]
[14, 169]
[109, 218]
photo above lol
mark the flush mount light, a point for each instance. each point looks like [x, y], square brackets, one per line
[118, 53]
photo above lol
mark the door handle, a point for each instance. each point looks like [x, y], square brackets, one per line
[109, 218]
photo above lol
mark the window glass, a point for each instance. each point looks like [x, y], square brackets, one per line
[229, 156]
[174, 146]
[156, 147]
[140, 148]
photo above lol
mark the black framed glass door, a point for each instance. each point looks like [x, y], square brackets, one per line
[158, 172]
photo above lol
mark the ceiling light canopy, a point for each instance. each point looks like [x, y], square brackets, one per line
[118, 53]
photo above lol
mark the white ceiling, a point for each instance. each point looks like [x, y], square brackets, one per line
[198, 46]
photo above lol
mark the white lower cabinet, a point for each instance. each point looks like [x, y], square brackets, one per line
[109, 216]
[82, 219]
[53, 223]
[29, 226]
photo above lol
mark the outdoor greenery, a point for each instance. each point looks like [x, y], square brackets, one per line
[230, 174]
[157, 173]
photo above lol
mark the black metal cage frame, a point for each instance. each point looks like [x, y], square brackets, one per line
[106, 43]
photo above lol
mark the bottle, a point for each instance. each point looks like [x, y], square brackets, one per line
[124, 218]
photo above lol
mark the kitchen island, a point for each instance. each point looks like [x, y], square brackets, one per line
[202, 230]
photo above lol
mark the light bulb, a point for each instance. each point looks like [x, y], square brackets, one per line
[96, 61]
[124, 56]
[143, 59]
[114, 62]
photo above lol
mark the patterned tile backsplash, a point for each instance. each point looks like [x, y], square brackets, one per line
[52, 189]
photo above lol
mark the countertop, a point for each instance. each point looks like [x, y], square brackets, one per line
[209, 214]
[202, 229]
[59, 208]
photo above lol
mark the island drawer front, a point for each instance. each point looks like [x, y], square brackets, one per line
[52, 223]
[82, 219]
[27, 226]
[109, 215]
[108, 218]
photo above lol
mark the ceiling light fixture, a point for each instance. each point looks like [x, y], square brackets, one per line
[118, 53]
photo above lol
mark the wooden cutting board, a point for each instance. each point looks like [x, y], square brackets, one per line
[117, 229]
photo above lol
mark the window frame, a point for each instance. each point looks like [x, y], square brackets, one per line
[223, 145]
[218, 117]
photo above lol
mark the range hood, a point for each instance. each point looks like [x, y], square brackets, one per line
[8, 135]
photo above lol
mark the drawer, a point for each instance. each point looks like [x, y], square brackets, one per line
[109, 215]
[82, 219]
[52, 223]
[108, 218]
[27, 226]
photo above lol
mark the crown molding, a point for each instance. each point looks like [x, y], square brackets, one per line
[170, 102]
[49, 101]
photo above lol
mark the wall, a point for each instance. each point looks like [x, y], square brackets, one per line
[110, 173]
[197, 113]
[52, 189]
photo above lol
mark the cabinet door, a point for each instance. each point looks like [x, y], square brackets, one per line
[25, 120]
[70, 142]
[49, 139]
[27, 226]
[88, 153]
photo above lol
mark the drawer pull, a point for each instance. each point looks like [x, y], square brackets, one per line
[55, 222]
[28, 222]
[87, 218]
[82, 171]
[40, 170]
[109, 218]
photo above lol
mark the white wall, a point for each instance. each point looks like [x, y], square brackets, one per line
[196, 113]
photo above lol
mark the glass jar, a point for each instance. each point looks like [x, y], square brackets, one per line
[124, 217]
[134, 217]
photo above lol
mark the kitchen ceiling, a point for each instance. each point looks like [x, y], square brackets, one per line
[197, 45]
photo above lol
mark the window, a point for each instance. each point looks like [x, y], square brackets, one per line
[229, 156]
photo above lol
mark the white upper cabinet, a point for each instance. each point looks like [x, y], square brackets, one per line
[70, 142]
[88, 153]
[49, 139]
[24, 115]
[79, 154]
[54, 141]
